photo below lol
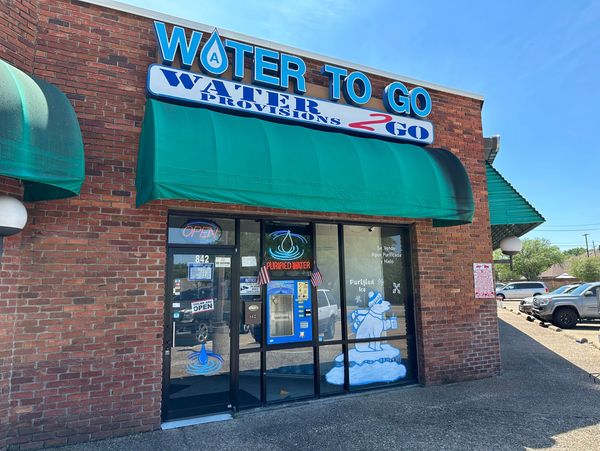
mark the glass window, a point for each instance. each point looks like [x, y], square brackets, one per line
[331, 364]
[249, 392]
[290, 374]
[250, 291]
[378, 363]
[376, 281]
[328, 293]
[201, 231]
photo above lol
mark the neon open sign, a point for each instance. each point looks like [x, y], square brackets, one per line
[201, 232]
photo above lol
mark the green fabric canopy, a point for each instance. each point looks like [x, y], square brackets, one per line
[40, 139]
[199, 154]
[510, 213]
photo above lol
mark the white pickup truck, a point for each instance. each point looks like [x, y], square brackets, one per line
[329, 312]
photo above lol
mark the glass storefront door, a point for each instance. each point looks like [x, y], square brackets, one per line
[198, 333]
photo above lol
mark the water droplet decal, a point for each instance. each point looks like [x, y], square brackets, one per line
[213, 56]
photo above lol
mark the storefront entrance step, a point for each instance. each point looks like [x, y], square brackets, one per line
[192, 421]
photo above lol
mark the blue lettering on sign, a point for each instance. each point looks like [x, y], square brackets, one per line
[424, 108]
[181, 85]
[239, 52]
[335, 75]
[169, 46]
[282, 71]
[213, 57]
[350, 94]
[393, 102]
[266, 67]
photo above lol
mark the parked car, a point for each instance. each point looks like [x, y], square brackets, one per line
[499, 286]
[566, 310]
[328, 313]
[526, 305]
[521, 290]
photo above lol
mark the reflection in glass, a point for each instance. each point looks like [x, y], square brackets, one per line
[289, 374]
[330, 357]
[251, 319]
[249, 393]
[328, 293]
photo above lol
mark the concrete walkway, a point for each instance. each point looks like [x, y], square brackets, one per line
[540, 400]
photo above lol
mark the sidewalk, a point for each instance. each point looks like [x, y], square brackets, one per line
[540, 400]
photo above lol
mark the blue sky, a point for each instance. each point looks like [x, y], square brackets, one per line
[536, 62]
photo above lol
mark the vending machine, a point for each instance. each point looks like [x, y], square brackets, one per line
[289, 311]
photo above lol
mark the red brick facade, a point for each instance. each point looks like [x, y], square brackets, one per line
[82, 288]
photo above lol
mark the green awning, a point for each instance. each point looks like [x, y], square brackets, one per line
[510, 213]
[199, 154]
[40, 139]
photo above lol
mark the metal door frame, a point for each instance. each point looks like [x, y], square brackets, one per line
[234, 314]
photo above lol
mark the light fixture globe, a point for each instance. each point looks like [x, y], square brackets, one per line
[13, 216]
[511, 245]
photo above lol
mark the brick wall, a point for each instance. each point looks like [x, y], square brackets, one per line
[82, 287]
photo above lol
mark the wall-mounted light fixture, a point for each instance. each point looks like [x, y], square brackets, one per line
[511, 246]
[13, 217]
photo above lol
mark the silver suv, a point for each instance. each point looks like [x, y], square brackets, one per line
[566, 310]
[520, 290]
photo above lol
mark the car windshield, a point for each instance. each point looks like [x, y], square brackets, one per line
[581, 289]
[563, 289]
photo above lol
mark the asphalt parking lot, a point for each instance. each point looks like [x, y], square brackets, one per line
[542, 399]
[590, 330]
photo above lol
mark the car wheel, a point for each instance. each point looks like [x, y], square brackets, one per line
[330, 331]
[202, 332]
[500, 296]
[565, 318]
[537, 294]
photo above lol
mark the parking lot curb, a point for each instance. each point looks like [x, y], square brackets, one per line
[556, 329]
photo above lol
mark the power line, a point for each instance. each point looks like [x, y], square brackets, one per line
[566, 230]
[573, 225]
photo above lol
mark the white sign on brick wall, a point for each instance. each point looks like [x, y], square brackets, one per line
[483, 275]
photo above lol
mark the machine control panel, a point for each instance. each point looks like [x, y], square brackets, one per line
[289, 311]
[252, 312]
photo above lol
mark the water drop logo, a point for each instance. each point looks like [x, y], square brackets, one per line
[213, 55]
[287, 249]
[204, 362]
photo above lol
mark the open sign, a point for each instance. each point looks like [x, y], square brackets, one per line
[201, 232]
[204, 305]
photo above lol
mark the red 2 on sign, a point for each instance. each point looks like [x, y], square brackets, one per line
[393, 127]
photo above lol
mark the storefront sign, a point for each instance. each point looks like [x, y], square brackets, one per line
[249, 286]
[200, 271]
[203, 305]
[271, 69]
[484, 281]
[288, 249]
[201, 232]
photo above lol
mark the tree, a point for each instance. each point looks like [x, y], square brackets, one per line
[536, 257]
[502, 270]
[586, 269]
[574, 252]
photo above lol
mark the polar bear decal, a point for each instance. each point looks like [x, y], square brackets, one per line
[370, 361]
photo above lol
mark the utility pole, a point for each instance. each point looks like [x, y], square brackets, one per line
[586, 244]
[594, 247]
